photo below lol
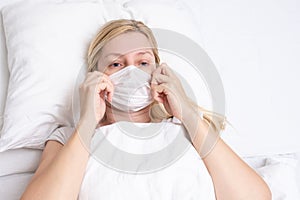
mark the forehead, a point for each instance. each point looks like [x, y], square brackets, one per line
[126, 43]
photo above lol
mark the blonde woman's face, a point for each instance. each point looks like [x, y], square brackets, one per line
[132, 48]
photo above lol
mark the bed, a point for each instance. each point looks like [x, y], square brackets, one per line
[253, 45]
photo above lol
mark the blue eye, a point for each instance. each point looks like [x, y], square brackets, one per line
[144, 64]
[115, 65]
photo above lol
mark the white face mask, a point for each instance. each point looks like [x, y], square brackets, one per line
[131, 89]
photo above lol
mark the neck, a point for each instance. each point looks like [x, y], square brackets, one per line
[113, 115]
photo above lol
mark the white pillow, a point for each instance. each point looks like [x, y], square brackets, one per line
[47, 45]
[4, 75]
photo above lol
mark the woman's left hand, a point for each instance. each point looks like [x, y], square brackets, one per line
[167, 89]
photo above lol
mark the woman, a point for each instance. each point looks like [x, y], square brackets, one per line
[118, 45]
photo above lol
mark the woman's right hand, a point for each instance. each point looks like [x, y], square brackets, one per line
[92, 97]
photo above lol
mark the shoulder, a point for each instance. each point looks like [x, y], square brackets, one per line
[61, 135]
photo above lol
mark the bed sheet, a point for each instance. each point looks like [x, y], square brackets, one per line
[19, 161]
[16, 169]
[12, 186]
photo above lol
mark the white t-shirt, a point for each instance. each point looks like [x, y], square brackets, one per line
[125, 166]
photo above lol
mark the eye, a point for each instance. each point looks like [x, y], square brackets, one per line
[144, 63]
[116, 64]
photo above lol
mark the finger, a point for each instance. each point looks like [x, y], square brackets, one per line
[94, 75]
[106, 83]
[107, 89]
[165, 69]
[157, 70]
[155, 73]
[110, 91]
[159, 79]
[107, 79]
[159, 92]
[156, 96]
[96, 78]
[101, 85]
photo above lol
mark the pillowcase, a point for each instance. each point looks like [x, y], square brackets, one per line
[3, 66]
[3, 75]
[47, 44]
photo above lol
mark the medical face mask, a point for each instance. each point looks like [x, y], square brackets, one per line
[131, 89]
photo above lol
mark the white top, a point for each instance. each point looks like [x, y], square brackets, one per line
[138, 164]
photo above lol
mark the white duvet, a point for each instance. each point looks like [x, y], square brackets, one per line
[185, 177]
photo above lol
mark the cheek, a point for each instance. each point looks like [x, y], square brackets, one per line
[110, 70]
[151, 68]
[102, 67]
[148, 69]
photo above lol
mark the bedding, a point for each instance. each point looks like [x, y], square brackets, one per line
[45, 54]
[255, 76]
[278, 171]
[257, 40]
[250, 54]
[16, 169]
[4, 75]
[147, 175]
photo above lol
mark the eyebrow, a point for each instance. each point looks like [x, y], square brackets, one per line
[138, 53]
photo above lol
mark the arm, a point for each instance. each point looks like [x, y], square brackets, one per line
[62, 168]
[232, 177]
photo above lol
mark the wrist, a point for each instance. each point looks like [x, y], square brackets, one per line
[192, 119]
[191, 113]
[88, 121]
[85, 129]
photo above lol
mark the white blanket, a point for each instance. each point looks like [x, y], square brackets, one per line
[17, 167]
[119, 174]
[280, 173]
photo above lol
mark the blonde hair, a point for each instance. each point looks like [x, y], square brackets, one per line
[111, 30]
[114, 28]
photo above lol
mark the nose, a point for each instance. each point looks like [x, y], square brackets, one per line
[129, 59]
